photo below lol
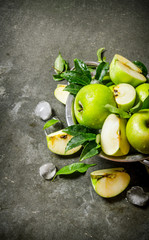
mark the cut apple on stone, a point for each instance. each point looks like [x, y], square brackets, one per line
[125, 96]
[124, 71]
[113, 136]
[60, 94]
[57, 143]
[110, 182]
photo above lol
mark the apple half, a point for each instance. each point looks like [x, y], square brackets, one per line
[125, 95]
[113, 136]
[60, 94]
[57, 143]
[124, 71]
[109, 182]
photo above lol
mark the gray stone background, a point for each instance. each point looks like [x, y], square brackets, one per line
[32, 33]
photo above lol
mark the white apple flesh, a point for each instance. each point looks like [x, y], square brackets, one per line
[124, 71]
[110, 182]
[113, 136]
[125, 96]
[57, 143]
[60, 94]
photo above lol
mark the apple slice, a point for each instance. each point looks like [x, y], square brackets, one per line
[57, 143]
[124, 71]
[110, 182]
[113, 136]
[125, 96]
[60, 94]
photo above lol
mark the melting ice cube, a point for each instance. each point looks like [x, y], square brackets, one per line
[137, 196]
[47, 171]
[43, 110]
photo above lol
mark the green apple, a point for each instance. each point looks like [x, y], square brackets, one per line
[125, 96]
[137, 131]
[113, 136]
[142, 91]
[89, 105]
[60, 94]
[57, 143]
[110, 182]
[124, 71]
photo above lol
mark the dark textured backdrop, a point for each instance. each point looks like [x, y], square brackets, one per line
[31, 34]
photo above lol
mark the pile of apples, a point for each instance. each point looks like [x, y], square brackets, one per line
[117, 134]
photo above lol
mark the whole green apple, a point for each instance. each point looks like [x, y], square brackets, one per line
[142, 91]
[89, 105]
[137, 131]
[124, 71]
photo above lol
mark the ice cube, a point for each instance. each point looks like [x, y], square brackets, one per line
[137, 196]
[47, 171]
[55, 127]
[43, 110]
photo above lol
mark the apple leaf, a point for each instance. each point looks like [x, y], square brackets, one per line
[118, 111]
[79, 140]
[59, 64]
[74, 167]
[73, 88]
[145, 104]
[101, 71]
[142, 67]
[50, 123]
[57, 77]
[82, 68]
[76, 77]
[77, 129]
[90, 149]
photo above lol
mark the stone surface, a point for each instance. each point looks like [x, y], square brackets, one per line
[32, 33]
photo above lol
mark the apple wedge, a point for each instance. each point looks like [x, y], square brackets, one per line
[60, 94]
[57, 143]
[110, 182]
[113, 136]
[124, 71]
[125, 96]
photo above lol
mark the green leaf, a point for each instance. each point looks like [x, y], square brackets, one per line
[136, 108]
[142, 67]
[101, 71]
[50, 123]
[145, 104]
[74, 167]
[77, 129]
[82, 68]
[57, 77]
[73, 88]
[118, 111]
[76, 77]
[100, 52]
[89, 150]
[79, 140]
[59, 64]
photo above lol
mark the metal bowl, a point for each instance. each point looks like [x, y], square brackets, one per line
[71, 120]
